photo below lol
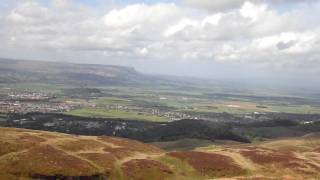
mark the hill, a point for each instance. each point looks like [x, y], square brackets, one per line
[28, 154]
[17, 71]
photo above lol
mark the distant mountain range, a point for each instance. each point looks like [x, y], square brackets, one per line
[86, 75]
[17, 71]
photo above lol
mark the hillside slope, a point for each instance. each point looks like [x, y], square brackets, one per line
[31, 154]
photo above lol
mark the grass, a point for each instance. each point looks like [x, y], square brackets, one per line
[180, 167]
[210, 164]
[221, 110]
[122, 114]
[151, 170]
[183, 144]
[32, 87]
[208, 148]
[250, 107]
[303, 109]
[112, 101]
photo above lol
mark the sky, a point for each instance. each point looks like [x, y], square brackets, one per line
[268, 41]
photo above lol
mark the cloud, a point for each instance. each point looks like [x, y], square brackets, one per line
[241, 32]
[138, 14]
[223, 5]
[217, 5]
[285, 45]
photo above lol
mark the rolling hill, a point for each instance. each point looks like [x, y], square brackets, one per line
[29, 154]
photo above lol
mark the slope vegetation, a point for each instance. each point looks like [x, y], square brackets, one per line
[28, 154]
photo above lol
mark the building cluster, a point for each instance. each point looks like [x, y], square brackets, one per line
[34, 102]
[29, 96]
[175, 116]
[172, 115]
[116, 107]
[25, 107]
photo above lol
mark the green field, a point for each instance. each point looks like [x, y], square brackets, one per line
[112, 101]
[194, 101]
[189, 100]
[302, 109]
[276, 109]
[129, 115]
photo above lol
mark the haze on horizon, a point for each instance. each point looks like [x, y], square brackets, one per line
[266, 41]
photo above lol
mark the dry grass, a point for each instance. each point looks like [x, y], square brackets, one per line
[317, 150]
[34, 154]
[103, 160]
[144, 169]
[48, 161]
[210, 164]
[26, 153]
[262, 157]
[80, 145]
[130, 145]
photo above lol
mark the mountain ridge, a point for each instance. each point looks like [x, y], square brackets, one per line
[16, 71]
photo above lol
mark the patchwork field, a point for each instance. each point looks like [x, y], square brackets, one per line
[245, 106]
[26, 154]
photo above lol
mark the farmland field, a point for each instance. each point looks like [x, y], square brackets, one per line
[130, 115]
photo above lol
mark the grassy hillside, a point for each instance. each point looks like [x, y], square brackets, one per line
[27, 154]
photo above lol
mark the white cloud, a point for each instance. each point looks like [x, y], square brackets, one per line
[183, 24]
[227, 5]
[249, 10]
[215, 5]
[212, 19]
[142, 51]
[251, 32]
[138, 14]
